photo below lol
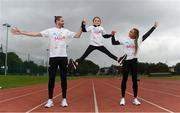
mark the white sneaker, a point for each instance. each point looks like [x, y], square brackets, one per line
[122, 102]
[49, 103]
[64, 103]
[136, 102]
[122, 59]
[73, 63]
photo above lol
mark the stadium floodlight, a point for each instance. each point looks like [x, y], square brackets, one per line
[7, 29]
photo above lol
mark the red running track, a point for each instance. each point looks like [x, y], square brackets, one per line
[95, 95]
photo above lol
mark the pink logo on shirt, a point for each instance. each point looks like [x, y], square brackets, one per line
[59, 38]
[130, 46]
[96, 31]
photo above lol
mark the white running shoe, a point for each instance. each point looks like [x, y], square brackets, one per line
[73, 63]
[122, 59]
[64, 103]
[122, 102]
[136, 102]
[49, 103]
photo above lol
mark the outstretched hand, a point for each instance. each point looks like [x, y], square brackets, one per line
[84, 21]
[16, 31]
[155, 24]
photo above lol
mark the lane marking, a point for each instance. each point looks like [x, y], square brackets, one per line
[163, 92]
[142, 99]
[53, 98]
[95, 99]
[9, 99]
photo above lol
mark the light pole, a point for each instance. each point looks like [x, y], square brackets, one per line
[7, 28]
[47, 66]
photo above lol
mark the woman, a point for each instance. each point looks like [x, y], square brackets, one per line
[130, 45]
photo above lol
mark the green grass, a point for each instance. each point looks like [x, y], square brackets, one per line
[177, 77]
[12, 81]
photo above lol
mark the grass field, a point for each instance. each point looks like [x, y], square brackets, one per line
[12, 81]
[177, 77]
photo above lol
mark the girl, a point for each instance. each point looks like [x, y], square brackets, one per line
[58, 55]
[130, 45]
[96, 37]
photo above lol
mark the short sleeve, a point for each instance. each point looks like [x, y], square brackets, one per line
[89, 28]
[103, 31]
[45, 33]
[70, 34]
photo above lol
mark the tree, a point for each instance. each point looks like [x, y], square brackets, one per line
[159, 67]
[87, 67]
[143, 68]
[177, 68]
[2, 59]
[13, 62]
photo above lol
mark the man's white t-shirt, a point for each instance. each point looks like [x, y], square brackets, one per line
[96, 38]
[57, 38]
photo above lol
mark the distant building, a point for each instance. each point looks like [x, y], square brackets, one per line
[171, 69]
[109, 70]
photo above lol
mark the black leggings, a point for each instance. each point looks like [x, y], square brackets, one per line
[92, 48]
[54, 62]
[129, 65]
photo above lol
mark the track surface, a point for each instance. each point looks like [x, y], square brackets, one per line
[95, 95]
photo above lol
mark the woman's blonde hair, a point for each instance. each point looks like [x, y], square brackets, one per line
[136, 33]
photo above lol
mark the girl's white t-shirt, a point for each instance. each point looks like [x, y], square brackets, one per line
[57, 38]
[96, 38]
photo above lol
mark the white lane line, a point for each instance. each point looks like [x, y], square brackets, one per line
[95, 99]
[163, 92]
[167, 88]
[165, 109]
[53, 98]
[16, 97]
[9, 99]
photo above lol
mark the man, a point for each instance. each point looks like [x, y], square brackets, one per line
[58, 54]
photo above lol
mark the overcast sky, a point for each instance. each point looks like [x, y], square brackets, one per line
[119, 15]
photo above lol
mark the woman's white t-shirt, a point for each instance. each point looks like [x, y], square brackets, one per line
[129, 47]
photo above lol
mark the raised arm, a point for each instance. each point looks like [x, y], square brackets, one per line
[17, 31]
[83, 26]
[150, 31]
[113, 40]
[78, 34]
[107, 35]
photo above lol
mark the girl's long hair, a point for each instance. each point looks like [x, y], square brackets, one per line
[136, 33]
